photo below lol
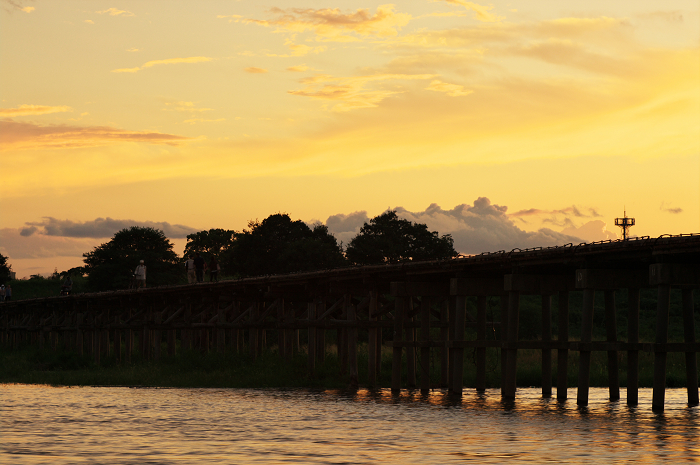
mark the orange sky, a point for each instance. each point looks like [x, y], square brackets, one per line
[505, 124]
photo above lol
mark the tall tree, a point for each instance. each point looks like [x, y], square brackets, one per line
[209, 243]
[111, 265]
[5, 270]
[279, 245]
[390, 239]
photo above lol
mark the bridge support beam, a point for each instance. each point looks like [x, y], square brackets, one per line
[633, 338]
[563, 354]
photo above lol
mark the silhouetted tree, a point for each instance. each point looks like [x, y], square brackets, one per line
[209, 243]
[389, 239]
[279, 245]
[111, 265]
[5, 270]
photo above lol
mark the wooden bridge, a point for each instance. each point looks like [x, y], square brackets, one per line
[425, 303]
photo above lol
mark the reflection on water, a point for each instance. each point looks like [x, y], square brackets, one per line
[40, 424]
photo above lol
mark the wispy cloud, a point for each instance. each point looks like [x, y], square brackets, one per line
[115, 12]
[254, 70]
[29, 110]
[453, 90]
[481, 12]
[16, 5]
[185, 106]
[332, 24]
[15, 135]
[298, 68]
[667, 208]
[351, 92]
[202, 120]
[169, 61]
[89, 21]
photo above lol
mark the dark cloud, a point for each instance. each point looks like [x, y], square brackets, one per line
[675, 211]
[12, 5]
[99, 228]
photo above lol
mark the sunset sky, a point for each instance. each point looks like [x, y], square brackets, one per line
[506, 124]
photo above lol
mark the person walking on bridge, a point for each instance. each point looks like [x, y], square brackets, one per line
[199, 265]
[189, 266]
[140, 275]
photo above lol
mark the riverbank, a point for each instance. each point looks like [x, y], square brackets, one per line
[31, 365]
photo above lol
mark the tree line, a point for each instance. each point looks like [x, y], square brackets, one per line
[275, 245]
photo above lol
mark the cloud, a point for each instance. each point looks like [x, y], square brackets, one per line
[453, 90]
[345, 227]
[480, 227]
[115, 12]
[231, 18]
[334, 25]
[298, 68]
[254, 70]
[15, 135]
[668, 209]
[89, 21]
[591, 231]
[481, 13]
[350, 92]
[12, 5]
[16, 245]
[98, 228]
[185, 106]
[26, 110]
[202, 120]
[298, 50]
[169, 61]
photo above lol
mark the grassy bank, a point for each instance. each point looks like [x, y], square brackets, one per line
[31, 365]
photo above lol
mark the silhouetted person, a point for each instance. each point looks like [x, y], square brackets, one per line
[213, 270]
[140, 275]
[8, 292]
[67, 286]
[189, 266]
[199, 267]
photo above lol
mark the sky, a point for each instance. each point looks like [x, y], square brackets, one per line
[507, 124]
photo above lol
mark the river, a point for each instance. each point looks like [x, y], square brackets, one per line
[121, 425]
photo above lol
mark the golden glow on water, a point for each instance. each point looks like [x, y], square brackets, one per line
[42, 424]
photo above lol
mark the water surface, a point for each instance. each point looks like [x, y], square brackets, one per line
[119, 425]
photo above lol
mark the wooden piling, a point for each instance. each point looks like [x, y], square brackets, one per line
[611, 336]
[691, 367]
[546, 351]
[458, 349]
[425, 344]
[311, 344]
[372, 346]
[444, 337]
[563, 353]
[663, 305]
[481, 303]
[584, 372]
[504, 340]
[352, 344]
[512, 351]
[633, 338]
[410, 350]
[399, 310]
